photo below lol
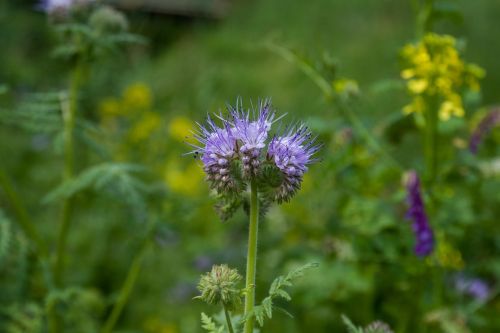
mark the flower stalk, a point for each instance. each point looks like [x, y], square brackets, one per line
[251, 257]
[228, 319]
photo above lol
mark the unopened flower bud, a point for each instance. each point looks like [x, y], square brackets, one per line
[220, 286]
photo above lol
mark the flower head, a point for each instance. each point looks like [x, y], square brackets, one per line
[416, 212]
[252, 134]
[434, 69]
[291, 154]
[241, 150]
[218, 150]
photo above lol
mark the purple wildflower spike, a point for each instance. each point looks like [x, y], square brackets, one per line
[474, 287]
[491, 120]
[218, 149]
[416, 212]
[292, 153]
[252, 134]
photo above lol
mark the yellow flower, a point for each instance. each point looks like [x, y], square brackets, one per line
[109, 107]
[180, 127]
[148, 123]
[417, 86]
[137, 96]
[434, 70]
[184, 180]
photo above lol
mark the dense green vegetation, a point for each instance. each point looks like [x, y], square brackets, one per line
[140, 217]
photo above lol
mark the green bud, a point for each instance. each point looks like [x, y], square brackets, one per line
[220, 286]
[107, 19]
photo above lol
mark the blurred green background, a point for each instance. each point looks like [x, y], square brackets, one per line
[139, 105]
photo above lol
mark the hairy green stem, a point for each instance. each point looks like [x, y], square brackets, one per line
[251, 258]
[228, 320]
[126, 289]
[69, 110]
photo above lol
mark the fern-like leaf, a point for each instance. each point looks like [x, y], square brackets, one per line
[208, 324]
[265, 309]
[117, 179]
[351, 328]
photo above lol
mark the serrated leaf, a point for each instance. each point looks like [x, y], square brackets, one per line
[209, 325]
[350, 326]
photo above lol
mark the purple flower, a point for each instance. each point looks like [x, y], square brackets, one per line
[252, 135]
[233, 153]
[491, 120]
[292, 153]
[416, 212]
[218, 149]
[474, 287]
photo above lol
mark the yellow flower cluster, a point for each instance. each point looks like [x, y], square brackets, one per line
[135, 97]
[185, 180]
[434, 70]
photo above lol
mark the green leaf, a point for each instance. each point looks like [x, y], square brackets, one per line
[209, 325]
[117, 179]
[350, 326]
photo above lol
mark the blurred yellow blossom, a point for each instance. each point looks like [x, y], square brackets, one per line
[447, 256]
[184, 180]
[142, 129]
[137, 96]
[180, 127]
[434, 69]
[109, 107]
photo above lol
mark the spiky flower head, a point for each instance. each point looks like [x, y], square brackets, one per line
[218, 152]
[241, 150]
[252, 132]
[416, 212]
[292, 153]
[378, 327]
[220, 286]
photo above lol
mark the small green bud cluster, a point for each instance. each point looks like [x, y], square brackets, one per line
[220, 286]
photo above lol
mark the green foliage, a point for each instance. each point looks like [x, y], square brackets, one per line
[5, 237]
[24, 318]
[117, 179]
[209, 325]
[277, 290]
[351, 328]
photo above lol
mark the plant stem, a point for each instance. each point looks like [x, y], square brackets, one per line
[127, 288]
[431, 138]
[228, 320]
[69, 109]
[251, 257]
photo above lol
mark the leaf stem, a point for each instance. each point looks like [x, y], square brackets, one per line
[251, 258]
[228, 319]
